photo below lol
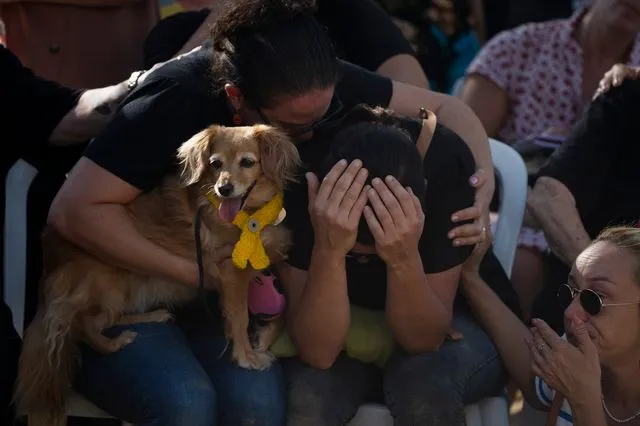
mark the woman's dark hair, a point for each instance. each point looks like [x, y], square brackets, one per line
[272, 48]
[373, 137]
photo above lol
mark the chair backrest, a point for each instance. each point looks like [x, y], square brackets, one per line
[17, 184]
[511, 174]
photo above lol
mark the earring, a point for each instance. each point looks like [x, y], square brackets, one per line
[237, 119]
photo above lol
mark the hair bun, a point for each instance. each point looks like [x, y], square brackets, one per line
[240, 16]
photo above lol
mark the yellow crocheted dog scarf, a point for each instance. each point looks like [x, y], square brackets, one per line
[249, 248]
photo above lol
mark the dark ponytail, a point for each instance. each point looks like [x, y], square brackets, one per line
[272, 49]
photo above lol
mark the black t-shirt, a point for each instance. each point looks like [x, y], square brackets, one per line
[176, 101]
[448, 164]
[599, 164]
[363, 32]
[30, 107]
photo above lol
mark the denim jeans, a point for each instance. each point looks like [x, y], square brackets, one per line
[428, 389]
[176, 376]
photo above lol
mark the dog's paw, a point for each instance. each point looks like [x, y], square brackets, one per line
[125, 338]
[161, 315]
[254, 360]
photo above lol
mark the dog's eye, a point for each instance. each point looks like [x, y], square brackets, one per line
[247, 162]
[216, 164]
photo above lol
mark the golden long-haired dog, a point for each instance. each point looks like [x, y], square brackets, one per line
[243, 168]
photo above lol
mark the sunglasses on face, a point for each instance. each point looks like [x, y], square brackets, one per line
[335, 108]
[590, 301]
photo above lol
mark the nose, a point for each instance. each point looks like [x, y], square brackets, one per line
[575, 312]
[226, 189]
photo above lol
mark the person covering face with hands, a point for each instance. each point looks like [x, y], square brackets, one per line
[362, 241]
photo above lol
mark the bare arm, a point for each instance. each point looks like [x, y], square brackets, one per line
[89, 116]
[452, 113]
[589, 413]
[508, 333]
[419, 307]
[487, 100]
[318, 316]
[406, 69]
[553, 207]
[90, 211]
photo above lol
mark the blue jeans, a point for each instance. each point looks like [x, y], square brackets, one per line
[173, 376]
[428, 389]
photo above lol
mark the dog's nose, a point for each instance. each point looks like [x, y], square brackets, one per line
[226, 189]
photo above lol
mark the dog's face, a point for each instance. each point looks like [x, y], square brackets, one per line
[241, 166]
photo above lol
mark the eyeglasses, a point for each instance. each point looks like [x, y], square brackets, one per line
[335, 108]
[590, 301]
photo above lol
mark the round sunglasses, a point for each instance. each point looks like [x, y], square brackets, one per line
[590, 301]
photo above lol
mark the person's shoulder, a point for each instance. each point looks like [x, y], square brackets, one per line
[191, 71]
[448, 151]
[11, 66]
[523, 39]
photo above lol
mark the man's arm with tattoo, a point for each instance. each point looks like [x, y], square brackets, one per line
[554, 208]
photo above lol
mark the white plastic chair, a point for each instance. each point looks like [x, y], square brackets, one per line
[512, 181]
[17, 184]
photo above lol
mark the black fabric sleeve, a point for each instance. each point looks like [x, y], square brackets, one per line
[448, 166]
[140, 143]
[584, 162]
[359, 86]
[31, 107]
[364, 31]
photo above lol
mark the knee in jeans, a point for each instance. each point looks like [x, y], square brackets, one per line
[191, 405]
[414, 391]
[255, 408]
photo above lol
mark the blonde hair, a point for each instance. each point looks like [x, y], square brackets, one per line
[624, 237]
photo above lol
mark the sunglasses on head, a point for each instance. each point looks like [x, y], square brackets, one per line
[590, 301]
[335, 108]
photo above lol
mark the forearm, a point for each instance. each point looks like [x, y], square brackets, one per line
[90, 115]
[107, 232]
[418, 318]
[506, 330]
[553, 207]
[589, 411]
[320, 323]
[458, 117]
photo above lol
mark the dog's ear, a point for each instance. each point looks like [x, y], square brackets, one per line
[193, 155]
[279, 157]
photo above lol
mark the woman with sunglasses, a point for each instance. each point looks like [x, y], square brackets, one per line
[591, 375]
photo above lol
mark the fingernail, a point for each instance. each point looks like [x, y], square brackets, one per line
[535, 321]
[357, 162]
[456, 243]
[454, 218]
[342, 162]
[307, 175]
[451, 234]
[367, 188]
[474, 180]
[389, 178]
[409, 190]
[376, 181]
